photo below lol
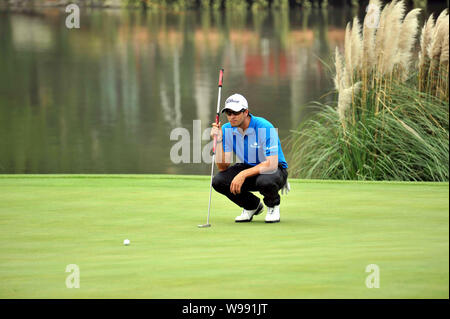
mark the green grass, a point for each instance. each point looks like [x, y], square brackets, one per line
[330, 232]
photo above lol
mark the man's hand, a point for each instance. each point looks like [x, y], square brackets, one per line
[236, 184]
[216, 130]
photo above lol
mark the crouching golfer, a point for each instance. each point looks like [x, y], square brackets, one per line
[261, 164]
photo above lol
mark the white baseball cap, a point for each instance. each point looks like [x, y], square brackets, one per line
[236, 103]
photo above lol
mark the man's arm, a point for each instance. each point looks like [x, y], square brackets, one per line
[223, 159]
[269, 166]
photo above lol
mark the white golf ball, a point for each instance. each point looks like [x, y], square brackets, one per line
[126, 242]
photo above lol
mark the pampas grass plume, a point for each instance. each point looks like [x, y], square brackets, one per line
[348, 74]
[338, 79]
[356, 45]
[394, 21]
[425, 41]
[345, 99]
[368, 54]
[408, 37]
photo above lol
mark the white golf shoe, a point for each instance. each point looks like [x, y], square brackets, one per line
[247, 215]
[273, 214]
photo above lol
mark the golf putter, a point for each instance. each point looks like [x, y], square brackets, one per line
[214, 150]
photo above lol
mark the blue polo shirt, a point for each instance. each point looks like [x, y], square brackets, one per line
[258, 141]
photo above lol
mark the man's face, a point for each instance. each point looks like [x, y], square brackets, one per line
[236, 118]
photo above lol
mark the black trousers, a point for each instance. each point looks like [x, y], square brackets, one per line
[267, 184]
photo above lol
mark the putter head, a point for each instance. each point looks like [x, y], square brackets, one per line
[204, 226]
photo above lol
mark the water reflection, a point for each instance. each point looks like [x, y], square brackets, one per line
[104, 98]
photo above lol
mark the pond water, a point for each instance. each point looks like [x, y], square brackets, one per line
[105, 98]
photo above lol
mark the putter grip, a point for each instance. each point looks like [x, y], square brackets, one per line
[221, 77]
[214, 144]
[215, 136]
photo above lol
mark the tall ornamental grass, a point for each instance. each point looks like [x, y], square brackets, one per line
[391, 117]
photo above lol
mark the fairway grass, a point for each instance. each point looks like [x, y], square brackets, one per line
[330, 231]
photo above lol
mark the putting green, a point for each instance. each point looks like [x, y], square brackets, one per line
[329, 233]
